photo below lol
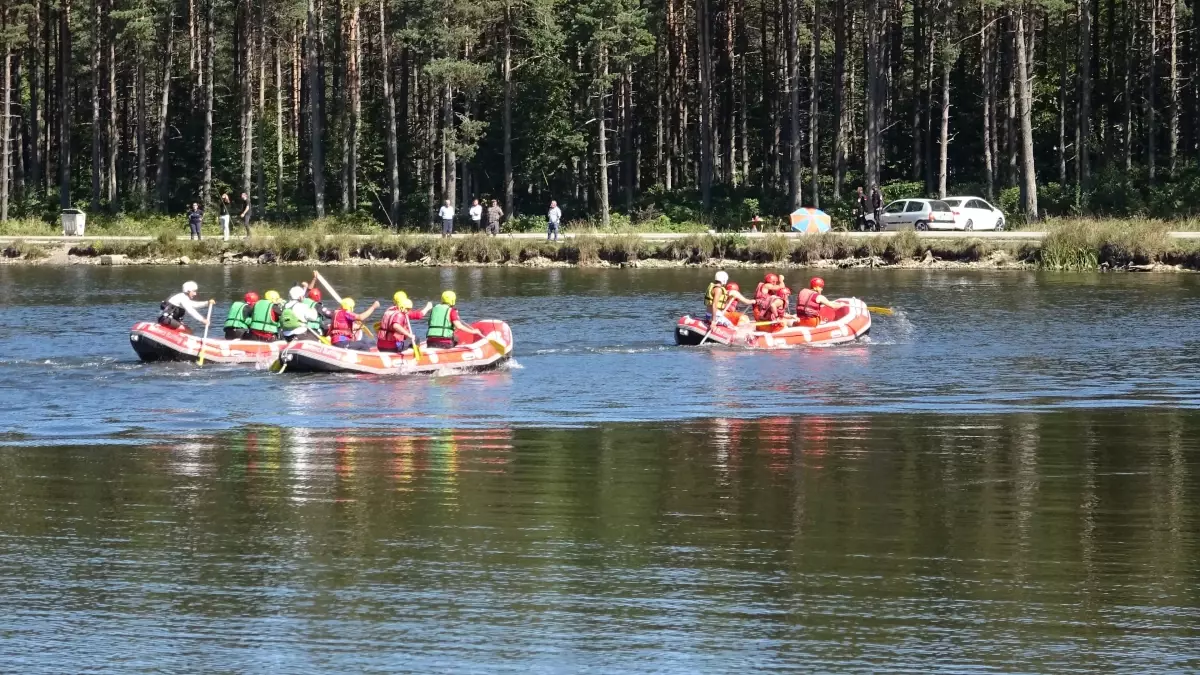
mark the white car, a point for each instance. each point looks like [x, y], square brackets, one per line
[919, 214]
[976, 214]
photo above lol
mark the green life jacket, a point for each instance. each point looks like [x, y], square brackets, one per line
[440, 325]
[289, 320]
[237, 316]
[314, 326]
[260, 317]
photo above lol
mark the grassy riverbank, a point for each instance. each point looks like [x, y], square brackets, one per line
[1069, 245]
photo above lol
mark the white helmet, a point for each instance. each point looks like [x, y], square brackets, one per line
[296, 293]
[722, 277]
[190, 287]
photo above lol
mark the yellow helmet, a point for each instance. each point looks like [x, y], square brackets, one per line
[272, 296]
[348, 304]
[400, 298]
[406, 304]
[449, 297]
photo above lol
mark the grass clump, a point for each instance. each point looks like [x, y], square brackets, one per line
[25, 251]
[903, 246]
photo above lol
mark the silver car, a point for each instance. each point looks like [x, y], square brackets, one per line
[919, 214]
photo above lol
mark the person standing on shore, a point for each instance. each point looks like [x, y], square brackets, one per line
[245, 214]
[860, 209]
[224, 205]
[876, 205]
[476, 213]
[446, 213]
[195, 218]
[553, 219]
[494, 214]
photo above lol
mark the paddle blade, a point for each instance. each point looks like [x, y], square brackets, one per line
[277, 366]
[416, 351]
[886, 311]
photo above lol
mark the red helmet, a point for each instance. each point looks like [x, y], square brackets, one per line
[784, 292]
[732, 286]
[251, 298]
[771, 278]
[314, 294]
[816, 282]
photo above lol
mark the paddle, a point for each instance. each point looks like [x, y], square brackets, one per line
[337, 298]
[207, 323]
[705, 338]
[886, 311]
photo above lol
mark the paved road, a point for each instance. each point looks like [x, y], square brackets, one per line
[1019, 235]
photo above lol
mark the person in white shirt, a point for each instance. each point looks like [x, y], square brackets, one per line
[553, 218]
[476, 212]
[183, 304]
[296, 316]
[446, 213]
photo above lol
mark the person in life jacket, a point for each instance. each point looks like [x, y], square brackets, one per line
[296, 317]
[264, 318]
[395, 329]
[444, 320]
[343, 331]
[766, 303]
[718, 298]
[238, 321]
[182, 304]
[734, 293]
[324, 316]
[810, 301]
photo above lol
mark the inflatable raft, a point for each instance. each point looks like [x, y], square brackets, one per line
[843, 325]
[472, 354]
[154, 342]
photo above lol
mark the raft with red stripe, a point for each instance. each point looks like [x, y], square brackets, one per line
[155, 342]
[472, 354]
[847, 324]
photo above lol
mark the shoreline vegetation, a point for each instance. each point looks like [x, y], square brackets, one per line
[1075, 245]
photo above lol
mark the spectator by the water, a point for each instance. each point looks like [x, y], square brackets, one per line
[553, 220]
[195, 219]
[494, 214]
[446, 213]
[224, 217]
[476, 213]
[861, 206]
[876, 205]
[245, 213]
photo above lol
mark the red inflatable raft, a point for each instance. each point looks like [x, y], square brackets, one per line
[154, 342]
[847, 324]
[472, 354]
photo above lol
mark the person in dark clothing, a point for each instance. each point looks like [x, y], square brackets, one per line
[223, 203]
[876, 205]
[245, 213]
[494, 215]
[195, 219]
[861, 207]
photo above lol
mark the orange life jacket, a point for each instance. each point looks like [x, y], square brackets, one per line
[342, 328]
[806, 303]
[393, 320]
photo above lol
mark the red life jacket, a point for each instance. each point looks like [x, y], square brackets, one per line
[389, 328]
[342, 328]
[806, 303]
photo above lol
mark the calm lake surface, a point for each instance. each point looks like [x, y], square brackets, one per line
[1004, 476]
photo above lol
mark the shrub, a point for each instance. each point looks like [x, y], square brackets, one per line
[903, 246]
[771, 249]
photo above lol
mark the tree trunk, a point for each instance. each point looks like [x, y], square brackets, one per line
[1083, 125]
[112, 137]
[316, 156]
[354, 82]
[98, 154]
[795, 144]
[210, 49]
[1127, 92]
[279, 178]
[160, 172]
[246, 89]
[1024, 105]
[628, 151]
[989, 91]
[260, 166]
[6, 126]
[140, 178]
[944, 136]
[814, 52]
[34, 118]
[507, 74]
[1151, 119]
[839, 97]
[391, 158]
[1062, 117]
[876, 18]
[704, 75]
[449, 155]
[64, 104]
[918, 80]
[1173, 129]
[601, 147]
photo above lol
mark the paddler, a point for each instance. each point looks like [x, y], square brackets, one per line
[346, 324]
[264, 318]
[444, 320]
[766, 301]
[715, 299]
[183, 304]
[731, 306]
[296, 317]
[810, 301]
[238, 320]
[395, 329]
[324, 316]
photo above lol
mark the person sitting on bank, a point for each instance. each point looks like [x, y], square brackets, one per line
[183, 304]
[444, 320]
[297, 316]
[264, 318]
[238, 319]
[810, 301]
[395, 328]
[346, 328]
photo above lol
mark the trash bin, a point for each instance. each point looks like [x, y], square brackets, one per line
[73, 222]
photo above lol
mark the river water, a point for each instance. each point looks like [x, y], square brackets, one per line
[1002, 477]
